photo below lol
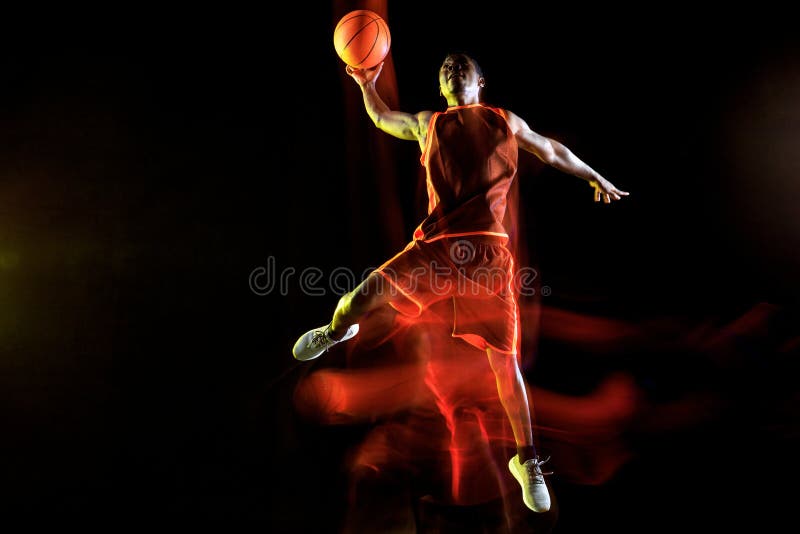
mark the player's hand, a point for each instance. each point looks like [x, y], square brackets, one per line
[364, 76]
[605, 189]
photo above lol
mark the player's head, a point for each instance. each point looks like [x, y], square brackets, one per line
[460, 76]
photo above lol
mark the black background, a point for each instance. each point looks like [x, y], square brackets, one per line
[150, 161]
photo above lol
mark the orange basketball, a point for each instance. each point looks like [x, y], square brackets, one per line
[362, 39]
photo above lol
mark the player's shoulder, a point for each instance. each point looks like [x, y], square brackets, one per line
[424, 118]
[514, 121]
[503, 112]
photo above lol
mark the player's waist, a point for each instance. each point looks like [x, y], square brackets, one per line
[477, 236]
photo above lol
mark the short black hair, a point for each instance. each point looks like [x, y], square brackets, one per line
[475, 63]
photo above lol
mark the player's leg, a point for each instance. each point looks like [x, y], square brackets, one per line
[373, 292]
[525, 466]
[514, 398]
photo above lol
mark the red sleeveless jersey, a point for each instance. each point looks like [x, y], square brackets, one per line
[470, 157]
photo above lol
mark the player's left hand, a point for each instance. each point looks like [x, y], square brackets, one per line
[605, 189]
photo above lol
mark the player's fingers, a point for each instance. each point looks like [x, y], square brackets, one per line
[597, 195]
[375, 71]
[606, 198]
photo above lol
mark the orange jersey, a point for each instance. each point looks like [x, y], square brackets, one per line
[470, 157]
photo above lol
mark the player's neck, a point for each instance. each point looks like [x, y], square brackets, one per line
[462, 100]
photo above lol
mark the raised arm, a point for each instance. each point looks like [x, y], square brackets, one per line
[396, 123]
[554, 153]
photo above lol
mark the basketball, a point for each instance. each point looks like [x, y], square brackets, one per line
[362, 39]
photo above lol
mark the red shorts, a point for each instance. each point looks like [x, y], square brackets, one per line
[476, 272]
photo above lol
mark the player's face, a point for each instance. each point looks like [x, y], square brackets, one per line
[458, 75]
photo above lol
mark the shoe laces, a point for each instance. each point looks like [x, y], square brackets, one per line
[534, 469]
[320, 337]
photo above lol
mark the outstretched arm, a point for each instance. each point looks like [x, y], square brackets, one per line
[396, 123]
[554, 153]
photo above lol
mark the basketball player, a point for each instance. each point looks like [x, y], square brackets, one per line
[459, 250]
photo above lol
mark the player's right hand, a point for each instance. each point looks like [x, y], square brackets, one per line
[364, 76]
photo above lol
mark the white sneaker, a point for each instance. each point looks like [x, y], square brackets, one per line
[316, 341]
[530, 477]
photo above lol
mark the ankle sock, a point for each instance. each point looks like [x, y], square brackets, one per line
[527, 452]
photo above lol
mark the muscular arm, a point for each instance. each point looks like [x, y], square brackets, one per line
[559, 156]
[402, 125]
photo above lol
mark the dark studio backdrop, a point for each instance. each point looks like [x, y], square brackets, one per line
[147, 170]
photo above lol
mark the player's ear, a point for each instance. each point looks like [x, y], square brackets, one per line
[481, 82]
